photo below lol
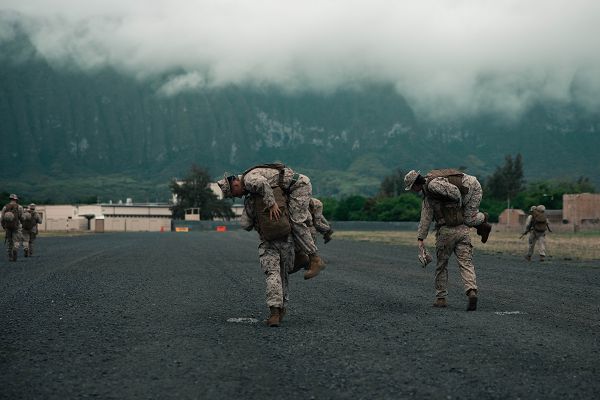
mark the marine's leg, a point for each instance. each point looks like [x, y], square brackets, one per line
[444, 246]
[464, 257]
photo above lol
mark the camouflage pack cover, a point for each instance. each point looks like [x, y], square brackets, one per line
[27, 220]
[539, 220]
[267, 228]
[9, 218]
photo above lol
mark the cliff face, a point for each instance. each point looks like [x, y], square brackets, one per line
[60, 125]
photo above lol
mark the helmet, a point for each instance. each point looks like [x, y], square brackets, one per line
[541, 208]
[13, 197]
[410, 178]
[532, 208]
[32, 206]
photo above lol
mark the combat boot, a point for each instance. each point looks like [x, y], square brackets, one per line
[316, 266]
[472, 295]
[14, 255]
[440, 302]
[542, 258]
[274, 319]
[528, 257]
[25, 252]
[484, 229]
[301, 261]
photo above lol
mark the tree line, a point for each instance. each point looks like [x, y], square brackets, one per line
[505, 187]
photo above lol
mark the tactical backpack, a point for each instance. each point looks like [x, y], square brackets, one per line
[449, 214]
[539, 221]
[9, 218]
[267, 228]
[27, 220]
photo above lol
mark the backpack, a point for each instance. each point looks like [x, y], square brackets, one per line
[267, 228]
[539, 222]
[27, 220]
[9, 218]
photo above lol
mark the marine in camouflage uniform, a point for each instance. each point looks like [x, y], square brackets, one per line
[452, 236]
[12, 237]
[276, 259]
[28, 235]
[536, 235]
[261, 180]
[459, 187]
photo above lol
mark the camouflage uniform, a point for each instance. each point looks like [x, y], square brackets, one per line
[29, 235]
[12, 237]
[533, 238]
[469, 201]
[276, 259]
[261, 181]
[318, 223]
[449, 240]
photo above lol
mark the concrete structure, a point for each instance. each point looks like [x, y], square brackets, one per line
[129, 217]
[582, 210]
[512, 218]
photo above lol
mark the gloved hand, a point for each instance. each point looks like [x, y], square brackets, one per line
[327, 235]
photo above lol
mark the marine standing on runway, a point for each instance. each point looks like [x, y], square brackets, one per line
[275, 251]
[457, 186]
[452, 236]
[10, 218]
[261, 180]
[537, 225]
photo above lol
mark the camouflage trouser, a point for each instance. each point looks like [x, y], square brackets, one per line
[12, 239]
[276, 259]
[299, 200]
[313, 233]
[26, 237]
[455, 240]
[471, 201]
[537, 237]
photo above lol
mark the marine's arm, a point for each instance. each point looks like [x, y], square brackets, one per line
[256, 183]
[425, 222]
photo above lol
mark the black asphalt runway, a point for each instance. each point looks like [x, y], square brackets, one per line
[147, 316]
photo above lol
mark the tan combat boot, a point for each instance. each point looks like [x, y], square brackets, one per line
[316, 266]
[542, 258]
[274, 319]
[301, 261]
[440, 302]
[484, 229]
[472, 295]
[528, 257]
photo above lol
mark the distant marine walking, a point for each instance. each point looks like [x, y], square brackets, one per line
[536, 226]
[10, 217]
[30, 221]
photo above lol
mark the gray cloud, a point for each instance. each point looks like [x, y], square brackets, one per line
[463, 56]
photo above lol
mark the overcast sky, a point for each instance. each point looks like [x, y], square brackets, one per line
[443, 55]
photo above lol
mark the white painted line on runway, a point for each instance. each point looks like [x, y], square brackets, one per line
[243, 320]
[508, 312]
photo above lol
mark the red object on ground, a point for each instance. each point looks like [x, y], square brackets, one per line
[221, 228]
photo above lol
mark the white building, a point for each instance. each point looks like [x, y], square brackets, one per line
[128, 217]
